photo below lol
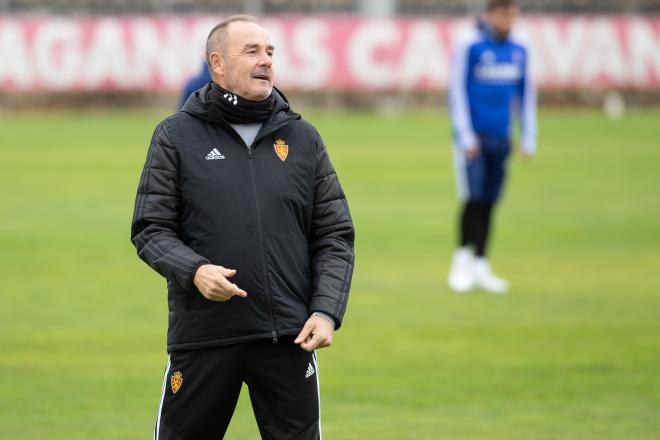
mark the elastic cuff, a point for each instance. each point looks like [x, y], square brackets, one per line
[326, 317]
[191, 280]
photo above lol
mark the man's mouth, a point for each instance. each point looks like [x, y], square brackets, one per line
[262, 76]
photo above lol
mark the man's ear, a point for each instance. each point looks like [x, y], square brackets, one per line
[217, 63]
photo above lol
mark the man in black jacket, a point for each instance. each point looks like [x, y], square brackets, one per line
[240, 209]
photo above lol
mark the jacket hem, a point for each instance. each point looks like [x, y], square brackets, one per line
[200, 345]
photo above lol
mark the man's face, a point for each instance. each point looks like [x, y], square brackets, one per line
[502, 19]
[246, 65]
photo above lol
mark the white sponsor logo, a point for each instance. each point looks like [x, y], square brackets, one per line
[214, 155]
[310, 371]
[499, 72]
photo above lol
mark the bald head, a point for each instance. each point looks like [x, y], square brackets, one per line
[239, 54]
[218, 37]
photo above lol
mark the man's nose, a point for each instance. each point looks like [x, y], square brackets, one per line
[265, 60]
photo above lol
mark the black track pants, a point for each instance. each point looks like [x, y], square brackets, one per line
[201, 388]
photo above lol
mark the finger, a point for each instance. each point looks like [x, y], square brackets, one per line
[304, 333]
[326, 342]
[324, 339]
[311, 343]
[228, 273]
[231, 289]
[237, 291]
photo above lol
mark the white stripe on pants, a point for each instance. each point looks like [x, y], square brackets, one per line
[162, 399]
[318, 390]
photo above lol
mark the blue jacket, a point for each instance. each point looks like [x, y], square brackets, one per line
[489, 79]
[195, 83]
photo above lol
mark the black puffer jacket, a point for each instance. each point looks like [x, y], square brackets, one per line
[282, 222]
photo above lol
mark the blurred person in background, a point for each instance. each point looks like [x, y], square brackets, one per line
[198, 81]
[490, 78]
[240, 209]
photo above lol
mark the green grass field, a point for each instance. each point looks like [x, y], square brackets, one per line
[573, 352]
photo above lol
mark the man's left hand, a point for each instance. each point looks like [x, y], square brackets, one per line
[317, 333]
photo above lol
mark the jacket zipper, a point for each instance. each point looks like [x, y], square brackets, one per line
[269, 299]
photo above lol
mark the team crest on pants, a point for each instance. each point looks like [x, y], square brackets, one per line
[282, 149]
[176, 381]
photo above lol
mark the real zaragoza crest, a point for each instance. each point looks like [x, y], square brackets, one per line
[176, 381]
[282, 149]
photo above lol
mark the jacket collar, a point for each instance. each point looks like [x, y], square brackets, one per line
[199, 106]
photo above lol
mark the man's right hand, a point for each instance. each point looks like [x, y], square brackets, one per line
[212, 281]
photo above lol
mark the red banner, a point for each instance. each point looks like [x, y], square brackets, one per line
[316, 53]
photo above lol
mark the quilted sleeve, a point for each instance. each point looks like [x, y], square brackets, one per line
[331, 241]
[155, 230]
